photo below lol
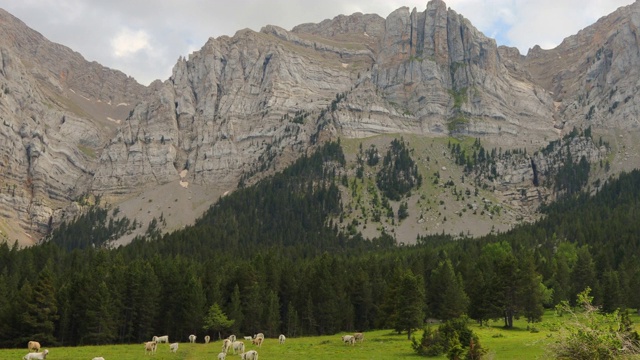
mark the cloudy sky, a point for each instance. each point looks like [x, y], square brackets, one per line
[144, 38]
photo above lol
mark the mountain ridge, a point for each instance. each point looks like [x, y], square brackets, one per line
[245, 106]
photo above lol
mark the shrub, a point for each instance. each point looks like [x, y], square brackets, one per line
[594, 335]
[453, 337]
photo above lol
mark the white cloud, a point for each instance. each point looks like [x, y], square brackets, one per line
[128, 42]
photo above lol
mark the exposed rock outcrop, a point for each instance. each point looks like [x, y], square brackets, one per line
[244, 106]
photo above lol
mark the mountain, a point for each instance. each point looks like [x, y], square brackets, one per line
[246, 106]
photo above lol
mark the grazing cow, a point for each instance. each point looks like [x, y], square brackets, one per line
[161, 339]
[282, 338]
[173, 347]
[257, 341]
[226, 345]
[249, 355]
[248, 338]
[222, 356]
[348, 339]
[358, 337]
[150, 347]
[192, 338]
[232, 338]
[238, 346]
[207, 338]
[36, 356]
[98, 358]
[33, 346]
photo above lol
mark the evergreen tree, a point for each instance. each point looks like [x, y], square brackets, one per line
[272, 323]
[293, 321]
[235, 311]
[583, 274]
[41, 311]
[309, 320]
[561, 282]
[253, 308]
[531, 291]
[448, 298]
[612, 292]
[140, 304]
[5, 302]
[409, 303]
[216, 320]
[362, 300]
[98, 325]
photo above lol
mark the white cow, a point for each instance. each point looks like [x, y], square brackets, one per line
[36, 356]
[207, 338]
[226, 345]
[192, 338]
[161, 339]
[249, 355]
[222, 356]
[358, 337]
[282, 338]
[173, 347]
[33, 346]
[349, 339]
[238, 346]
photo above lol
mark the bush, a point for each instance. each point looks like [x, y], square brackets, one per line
[453, 337]
[594, 335]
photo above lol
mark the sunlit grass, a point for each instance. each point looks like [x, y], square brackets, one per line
[517, 343]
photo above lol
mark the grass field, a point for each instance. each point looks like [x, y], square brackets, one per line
[518, 343]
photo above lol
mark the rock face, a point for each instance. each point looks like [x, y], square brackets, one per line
[593, 75]
[58, 111]
[244, 106]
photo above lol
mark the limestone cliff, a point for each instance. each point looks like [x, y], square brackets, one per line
[58, 112]
[244, 106]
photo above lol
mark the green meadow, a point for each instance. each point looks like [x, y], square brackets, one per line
[517, 343]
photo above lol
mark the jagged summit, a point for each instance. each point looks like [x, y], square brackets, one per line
[244, 106]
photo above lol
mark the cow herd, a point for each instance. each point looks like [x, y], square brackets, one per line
[230, 344]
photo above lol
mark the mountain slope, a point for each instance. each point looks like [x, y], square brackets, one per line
[245, 106]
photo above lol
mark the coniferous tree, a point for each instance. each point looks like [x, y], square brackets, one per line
[583, 274]
[362, 300]
[4, 307]
[98, 327]
[409, 303]
[253, 307]
[611, 292]
[309, 319]
[235, 312]
[41, 311]
[272, 323]
[140, 305]
[448, 298]
[561, 281]
[293, 321]
[216, 320]
[532, 293]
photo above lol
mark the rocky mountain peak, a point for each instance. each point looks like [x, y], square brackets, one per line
[245, 106]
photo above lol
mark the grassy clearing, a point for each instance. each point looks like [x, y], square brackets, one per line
[518, 344]
[378, 345]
